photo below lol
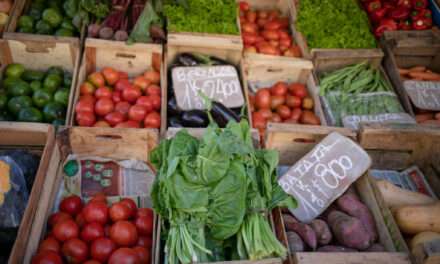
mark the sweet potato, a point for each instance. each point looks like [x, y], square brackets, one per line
[423, 117]
[349, 231]
[376, 248]
[322, 231]
[295, 242]
[437, 116]
[332, 248]
[289, 220]
[353, 207]
[307, 234]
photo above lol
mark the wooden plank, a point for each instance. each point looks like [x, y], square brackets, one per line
[352, 258]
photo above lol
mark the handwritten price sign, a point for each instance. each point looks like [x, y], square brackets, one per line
[424, 95]
[324, 174]
[220, 83]
[353, 121]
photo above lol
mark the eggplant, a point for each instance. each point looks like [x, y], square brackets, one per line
[222, 115]
[195, 118]
[174, 121]
[187, 59]
[172, 107]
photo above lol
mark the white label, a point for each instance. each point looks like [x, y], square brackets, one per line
[354, 121]
[220, 83]
[424, 95]
[324, 174]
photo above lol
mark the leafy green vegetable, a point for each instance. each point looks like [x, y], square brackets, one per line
[141, 31]
[205, 16]
[98, 8]
[334, 24]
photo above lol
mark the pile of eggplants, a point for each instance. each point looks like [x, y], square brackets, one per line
[198, 118]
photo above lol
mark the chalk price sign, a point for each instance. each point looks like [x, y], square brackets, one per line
[424, 95]
[324, 174]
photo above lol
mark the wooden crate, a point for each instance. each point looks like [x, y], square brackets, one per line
[39, 54]
[397, 148]
[293, 144]
[219, 47]
[15, 3]
[404, 49]
[133, 59]
[39, 139]
[112, 143]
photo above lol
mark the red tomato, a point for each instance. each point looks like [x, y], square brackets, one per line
[284, 111]
[122, 84]
[117, 96]
[249, 28]
[99, 197]
[266, 113]
[298, 89]
[249, 38]
[152, 120]
[131, 94]
[114, 118]
[261, 22]
[124, 256]
[128, 124]
[270, 34]
[244, 6]
[145, 102]
[102, 123]
[262, 98]
[71, 205]
[97, 79]
[283, 35]
[96, 212]
[75, 250]
[131, 205]
[145, 212]
[144, 241]
[102, 248]
[251, 16]
[58, 216]
[262, 14]
[124, 233]
[123, 108]
[296, 114]
[104, 106]
[276, 101]
[119, 211]
[86, 88]
[268, 50]
[111, 75]
[143, 255]
[65, 230]
[86, 119]
[144, 225]
[141, 82]
[84, 106]
[156, 101]
[286, 42]
[152, 76]
[280, 88]
[274, 43]
[123, 75]
[272, 25]
[137, 113]
[91, 231]
[293, 101]
[258, 120]
[50, 244]
[88, 97]
[153, 89]
[79, 219]
[275, 118]
[47, 257]
[92, 261]
[273, 14]
[103, 92]
[284, 21]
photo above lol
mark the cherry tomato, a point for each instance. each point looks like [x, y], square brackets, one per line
[280, 88]
[86, 119]
[124, 233]
[58, 216]
[143, 255]
[117, 96]
[131, 205]
[266, 112]
[144, 241]
[124, 256]
[293, 101]
[262, 98]
[75, 250]
[103, 92]
[114, 118]
[131, 94]
[97, 79]
[296, 114]
[47, 257]
[258, 120]
[145, 101]
[152, 76]
[111, 75]
[156, 101]
[145, 212]
[144, 225]
[104, 106]
[84, 106]
[96, 212]
[275, 118]
[102, 248]
[276, 101]
[123, 108]
[86, 88]
[152, 120]
[153, 89]
[298, 89]
[71, 205]
[50, 244]
[92, 231]
[122, 84]
[79, 219]
[284, 111]
[65, 230]
[129, 124]
[137, 113]
[141, 82]
[119, 211]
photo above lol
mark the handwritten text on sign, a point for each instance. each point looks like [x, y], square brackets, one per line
[324, 174]
[354, 121]
[424, 95]
[220, 83]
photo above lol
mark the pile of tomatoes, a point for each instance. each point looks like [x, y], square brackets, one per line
[266, 32]
[286, 103]
[109, 99]
[94, 233]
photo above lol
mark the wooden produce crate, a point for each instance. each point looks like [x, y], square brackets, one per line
[397, 148]
[293, 144]
[36, 53]
[112, 143]
[11, 14]
[223, 48]
[405, 49]
[38, 139]
[133, 59]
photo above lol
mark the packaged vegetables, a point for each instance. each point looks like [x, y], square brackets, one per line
[214, 194]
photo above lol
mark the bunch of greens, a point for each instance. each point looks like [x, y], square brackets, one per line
[204, 16]
[214, 194]
[334, 24]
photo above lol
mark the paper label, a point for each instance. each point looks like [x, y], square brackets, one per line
[354, 121]
[424, 95]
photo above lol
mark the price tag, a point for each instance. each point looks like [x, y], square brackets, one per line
[424, 95]
[354, 121]
[220, 83]
[324, 174]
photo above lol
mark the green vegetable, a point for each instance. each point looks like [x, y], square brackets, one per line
[52, 82]
[53, 17]
[25, 22]
[141, 31]
[14, 70]
[15, 104]
[53, 111]
[62, 32]
[41, 97]
[71, 7]
[36, 85]
[62, 96]
[334, 24]
[20, 87]
[43, 27]
[99, 9]
[32, 75]
[55, 70]
[30, 114]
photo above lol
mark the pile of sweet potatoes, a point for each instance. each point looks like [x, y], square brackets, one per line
[346, 226]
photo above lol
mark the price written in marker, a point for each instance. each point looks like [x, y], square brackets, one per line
[424, 95]
[324, 174]
[220, 83]
[354, 121]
